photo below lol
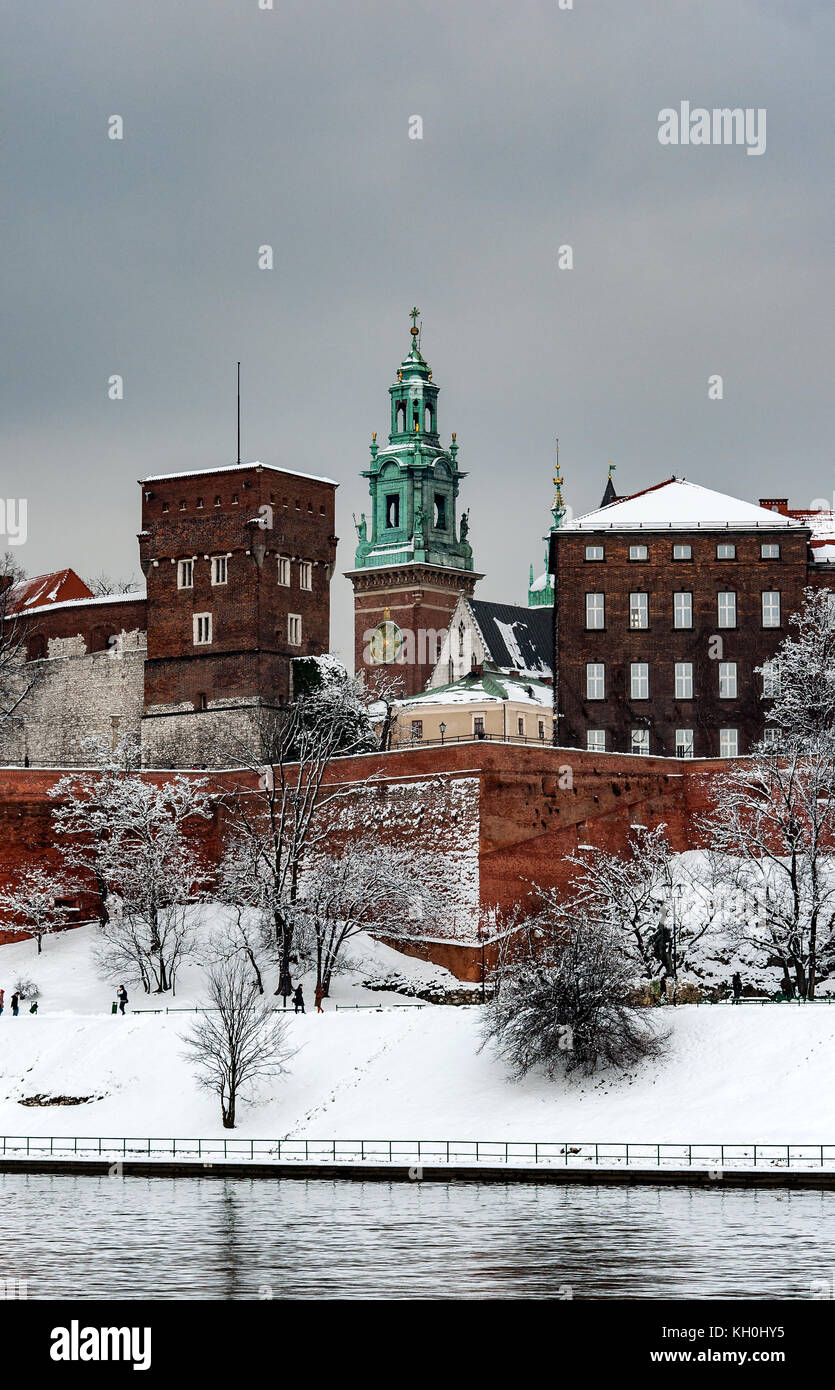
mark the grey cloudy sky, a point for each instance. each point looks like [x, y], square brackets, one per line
[290, 127]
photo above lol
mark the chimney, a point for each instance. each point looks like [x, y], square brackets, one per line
[776, 504]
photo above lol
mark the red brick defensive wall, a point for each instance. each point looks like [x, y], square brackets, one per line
[520, 811]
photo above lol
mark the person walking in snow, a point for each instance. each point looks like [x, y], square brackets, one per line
[15, 1004]
[298, 1000]
[2, 997]
[736, 985]
[122, 996]
[318, 997]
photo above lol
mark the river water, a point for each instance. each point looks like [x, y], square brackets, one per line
[238, 1238]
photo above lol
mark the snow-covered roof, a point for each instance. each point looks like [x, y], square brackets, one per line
[238, 468]
[478, 689]
[679, 505]
[541, 583]
[44, 590]
[90, 602]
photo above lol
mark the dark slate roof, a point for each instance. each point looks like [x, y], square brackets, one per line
[609, 495]
[530, 630]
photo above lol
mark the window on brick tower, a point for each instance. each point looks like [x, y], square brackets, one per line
[305, 574]
[771, 608]
[219, 569]
[726, 608]
[638, 610]
[284, 570]
[640, 741]
[185, 574]
[294, 629]
[393, 510]
[596, 740]
[202, 629]
[728, 743]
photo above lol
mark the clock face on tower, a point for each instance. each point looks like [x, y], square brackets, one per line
[386, 644]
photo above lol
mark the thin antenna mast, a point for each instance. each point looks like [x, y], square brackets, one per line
[239, 412]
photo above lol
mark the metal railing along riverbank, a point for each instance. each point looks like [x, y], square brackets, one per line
[277, 1009]
[416, 1152]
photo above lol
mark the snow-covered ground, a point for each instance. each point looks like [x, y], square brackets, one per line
[732, 1075]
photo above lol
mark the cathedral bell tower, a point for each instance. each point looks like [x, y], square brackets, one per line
[413, 558]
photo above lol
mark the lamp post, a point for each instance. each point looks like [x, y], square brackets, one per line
[481, 942]
[442, 727]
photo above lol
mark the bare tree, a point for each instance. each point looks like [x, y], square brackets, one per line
[382, 692]
[32, 902]
[240, 1041]
[103, 585]
[563, 999]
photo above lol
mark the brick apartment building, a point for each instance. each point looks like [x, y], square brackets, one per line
[666, 603]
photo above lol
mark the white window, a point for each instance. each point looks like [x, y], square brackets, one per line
[595, 680]
[684, 680]
[417, 730]
[771, 608]
[640, 741]
[771, 680]
[638, 552]
[682, 552]
[284, 571]
[294, 629]
[770, 550]
[771, 737]
[726, 608]
[728, 743]
[727, 680]
[305, 575]
[682, 609]
[638, 610]
[639, 680]
[684, 743]
[725, 551]
[595, 611]
[596, 740]
[185, 574]
[219, 569]
[202, 629]
[594, 552]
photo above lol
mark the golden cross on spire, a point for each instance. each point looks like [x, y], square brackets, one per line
[414, 317]
[611, 469]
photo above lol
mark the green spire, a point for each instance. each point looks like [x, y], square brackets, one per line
[414, 480]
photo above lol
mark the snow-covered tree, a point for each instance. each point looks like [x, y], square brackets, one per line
[282, 813]
[31, 902]
[772, 825]
[365, 885]
[240, 1041]
[135, 839]
[562, 1001]
[799, 683]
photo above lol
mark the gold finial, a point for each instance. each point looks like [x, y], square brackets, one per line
[414, 317]
[374, 436]
[611, 468]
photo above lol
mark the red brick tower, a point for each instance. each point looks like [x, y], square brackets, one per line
[238, 563]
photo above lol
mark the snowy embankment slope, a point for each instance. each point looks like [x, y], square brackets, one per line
[730, 1075]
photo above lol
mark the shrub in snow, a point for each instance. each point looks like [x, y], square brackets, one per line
[562, 998]
[27, 989]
